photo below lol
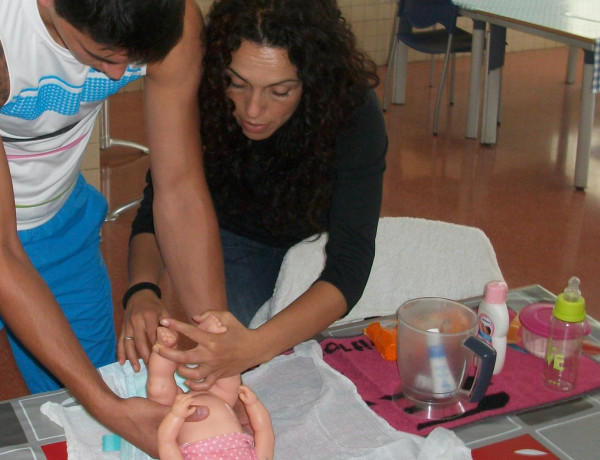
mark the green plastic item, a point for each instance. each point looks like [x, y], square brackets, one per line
[570, 305]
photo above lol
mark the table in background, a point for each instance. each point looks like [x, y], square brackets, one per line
[568, 429]
[572, 22]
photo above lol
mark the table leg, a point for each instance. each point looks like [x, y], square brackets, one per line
[571, 65]
[475, 79]
[399, 84]
[493, 77]
[586, 122]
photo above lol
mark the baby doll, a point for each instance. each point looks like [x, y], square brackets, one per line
[220, 435]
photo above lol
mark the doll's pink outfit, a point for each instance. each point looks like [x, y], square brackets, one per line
[230, 446]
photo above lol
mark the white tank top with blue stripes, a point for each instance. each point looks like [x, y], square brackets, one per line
[49, 115]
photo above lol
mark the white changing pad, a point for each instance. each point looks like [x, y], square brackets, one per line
[316, 412]
[413, 258]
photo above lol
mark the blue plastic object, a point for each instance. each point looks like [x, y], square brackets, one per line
[111, 443]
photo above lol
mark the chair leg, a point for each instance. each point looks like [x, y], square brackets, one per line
[113, 215]
[452, 75]
[432, 65]
[390, 57]
[389, 76]
[436, 112]
[431, 70]
[106, 141]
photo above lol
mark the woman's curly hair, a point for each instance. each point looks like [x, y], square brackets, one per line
[335, 75]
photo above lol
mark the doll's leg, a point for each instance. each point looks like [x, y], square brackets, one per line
[260, 420]
[161, 386]
[225, 388]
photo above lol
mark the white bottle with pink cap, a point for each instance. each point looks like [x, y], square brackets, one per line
[493, 321]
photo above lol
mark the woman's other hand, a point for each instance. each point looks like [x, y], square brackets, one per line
[138, 333]
[215, 355]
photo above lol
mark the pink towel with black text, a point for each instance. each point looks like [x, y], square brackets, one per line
[519, 386]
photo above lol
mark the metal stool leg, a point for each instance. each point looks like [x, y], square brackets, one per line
[113, 215]
[106, 142]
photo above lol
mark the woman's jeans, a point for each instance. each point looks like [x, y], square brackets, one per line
[251, 270]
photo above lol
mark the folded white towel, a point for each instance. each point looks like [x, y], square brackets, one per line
[413, 258]
[316, 412]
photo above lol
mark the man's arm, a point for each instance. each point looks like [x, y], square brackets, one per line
[185, 221]
[29, 309]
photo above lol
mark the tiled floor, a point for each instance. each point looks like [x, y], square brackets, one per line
[518, 192]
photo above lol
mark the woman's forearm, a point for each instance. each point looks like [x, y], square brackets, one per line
[145, 262]
[311, 313]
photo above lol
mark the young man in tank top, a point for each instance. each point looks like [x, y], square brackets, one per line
[59, 59]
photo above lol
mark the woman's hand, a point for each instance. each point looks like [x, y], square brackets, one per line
[215, 355]
[138, 333]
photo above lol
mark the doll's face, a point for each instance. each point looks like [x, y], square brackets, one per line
[264, 88]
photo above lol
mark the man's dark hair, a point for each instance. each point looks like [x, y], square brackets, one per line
[146, 29]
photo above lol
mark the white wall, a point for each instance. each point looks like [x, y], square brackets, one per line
[372, 21]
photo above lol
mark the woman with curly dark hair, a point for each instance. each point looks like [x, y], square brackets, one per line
[294, 145]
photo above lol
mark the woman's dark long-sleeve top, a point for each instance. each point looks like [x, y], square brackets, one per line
[354, 210]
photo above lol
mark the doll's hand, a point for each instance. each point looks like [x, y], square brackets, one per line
[138, 333]
[184, 405]
[247, 396]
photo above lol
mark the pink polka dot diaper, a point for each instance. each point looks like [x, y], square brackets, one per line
[230, 446]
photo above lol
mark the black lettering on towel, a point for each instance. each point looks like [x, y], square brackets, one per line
[356, 345]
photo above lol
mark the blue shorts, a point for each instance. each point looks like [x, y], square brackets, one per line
[66, 253]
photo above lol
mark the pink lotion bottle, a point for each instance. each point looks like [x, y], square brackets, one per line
[493, 322]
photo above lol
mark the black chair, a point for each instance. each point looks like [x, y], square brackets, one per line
[412, 17]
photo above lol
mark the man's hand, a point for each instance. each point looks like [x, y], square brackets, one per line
[138, 420]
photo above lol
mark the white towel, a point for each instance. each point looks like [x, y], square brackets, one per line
[317, 414]
[413, 258]
[83, 432]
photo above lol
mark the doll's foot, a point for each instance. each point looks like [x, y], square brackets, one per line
[209, 322]
[166, 337]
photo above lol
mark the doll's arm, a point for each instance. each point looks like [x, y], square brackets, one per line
[167, 438]
[260, 420]
[168, 448]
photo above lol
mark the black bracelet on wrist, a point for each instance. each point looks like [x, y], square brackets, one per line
[140, 287]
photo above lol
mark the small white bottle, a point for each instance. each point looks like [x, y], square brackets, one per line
[442, 380]
[493, 322]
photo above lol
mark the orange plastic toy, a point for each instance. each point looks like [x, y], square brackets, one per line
[383, 334]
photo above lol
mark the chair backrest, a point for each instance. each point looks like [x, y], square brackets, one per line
[426, 13]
